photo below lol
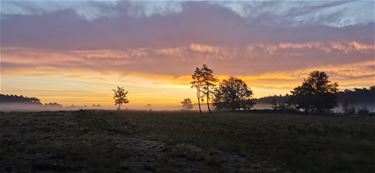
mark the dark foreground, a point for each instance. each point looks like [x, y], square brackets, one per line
[103, 141]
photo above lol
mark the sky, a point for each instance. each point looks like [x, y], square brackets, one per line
[76, 52]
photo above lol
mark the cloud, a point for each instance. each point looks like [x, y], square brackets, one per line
[359, 74]
[345, 47]
[198, 22]
[204, 48]
[88, 10]
[87, 76]
[150, 8]
[353, 46]
[92, 9]
[300, 12]
[290, 12]
[246, 60]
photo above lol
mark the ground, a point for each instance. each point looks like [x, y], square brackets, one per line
[132, 141]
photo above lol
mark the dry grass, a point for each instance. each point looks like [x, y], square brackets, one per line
[131, 141]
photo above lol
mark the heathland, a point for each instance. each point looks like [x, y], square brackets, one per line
[135, 141]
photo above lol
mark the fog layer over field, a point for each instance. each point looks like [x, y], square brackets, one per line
[9, 107]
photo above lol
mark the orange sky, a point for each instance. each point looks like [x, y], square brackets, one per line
[89, 87]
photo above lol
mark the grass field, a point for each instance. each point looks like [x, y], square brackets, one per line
[130, 141]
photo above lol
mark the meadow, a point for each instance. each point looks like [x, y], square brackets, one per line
[178, 141]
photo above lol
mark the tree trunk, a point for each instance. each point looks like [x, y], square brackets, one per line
[199, 101]
[208, 102]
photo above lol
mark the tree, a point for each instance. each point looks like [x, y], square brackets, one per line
[187, 104]
[120, 97]
[280, 103]
[197, 83]
[232, 94]
[149, 107]
[204, 81]
[209, 83]
[316, 94]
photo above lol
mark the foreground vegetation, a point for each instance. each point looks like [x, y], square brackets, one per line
[106, 141]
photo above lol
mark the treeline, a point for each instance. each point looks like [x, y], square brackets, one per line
[356, 96]
[355, 101]
[5, 98]
[272, 99]
[10, 102]
[23, 100]
[316, 94]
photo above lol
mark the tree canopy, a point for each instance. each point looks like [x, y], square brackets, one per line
[233, 94]
[204, 81]
[316, 94]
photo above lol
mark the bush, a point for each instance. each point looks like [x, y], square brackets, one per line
[363, 111]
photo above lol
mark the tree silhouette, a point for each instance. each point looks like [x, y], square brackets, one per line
[233, 93]
[357, 96]
[204, 81]
[120, 97]
[187, 104]
[54, 104]
[280, 103]
[197, 83]
[316, 94]
[149, 107]
[209, 82]
[19, 99]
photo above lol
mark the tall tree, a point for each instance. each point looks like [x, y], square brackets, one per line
[120, 97]
[204, 81]
[197, 83]
[316, 94]
[233, 93]
[209, 82]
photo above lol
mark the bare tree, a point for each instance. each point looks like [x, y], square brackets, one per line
[120, 97]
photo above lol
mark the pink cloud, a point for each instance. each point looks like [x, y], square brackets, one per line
[245, 60]
[204, 48]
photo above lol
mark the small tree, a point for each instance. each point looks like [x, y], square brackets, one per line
[149, 107]
[316, 94]
[187, 104]
[232, 94]
[120, 97]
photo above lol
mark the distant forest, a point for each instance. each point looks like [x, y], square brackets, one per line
[5, 98]
[19, 99]
[356, 96]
